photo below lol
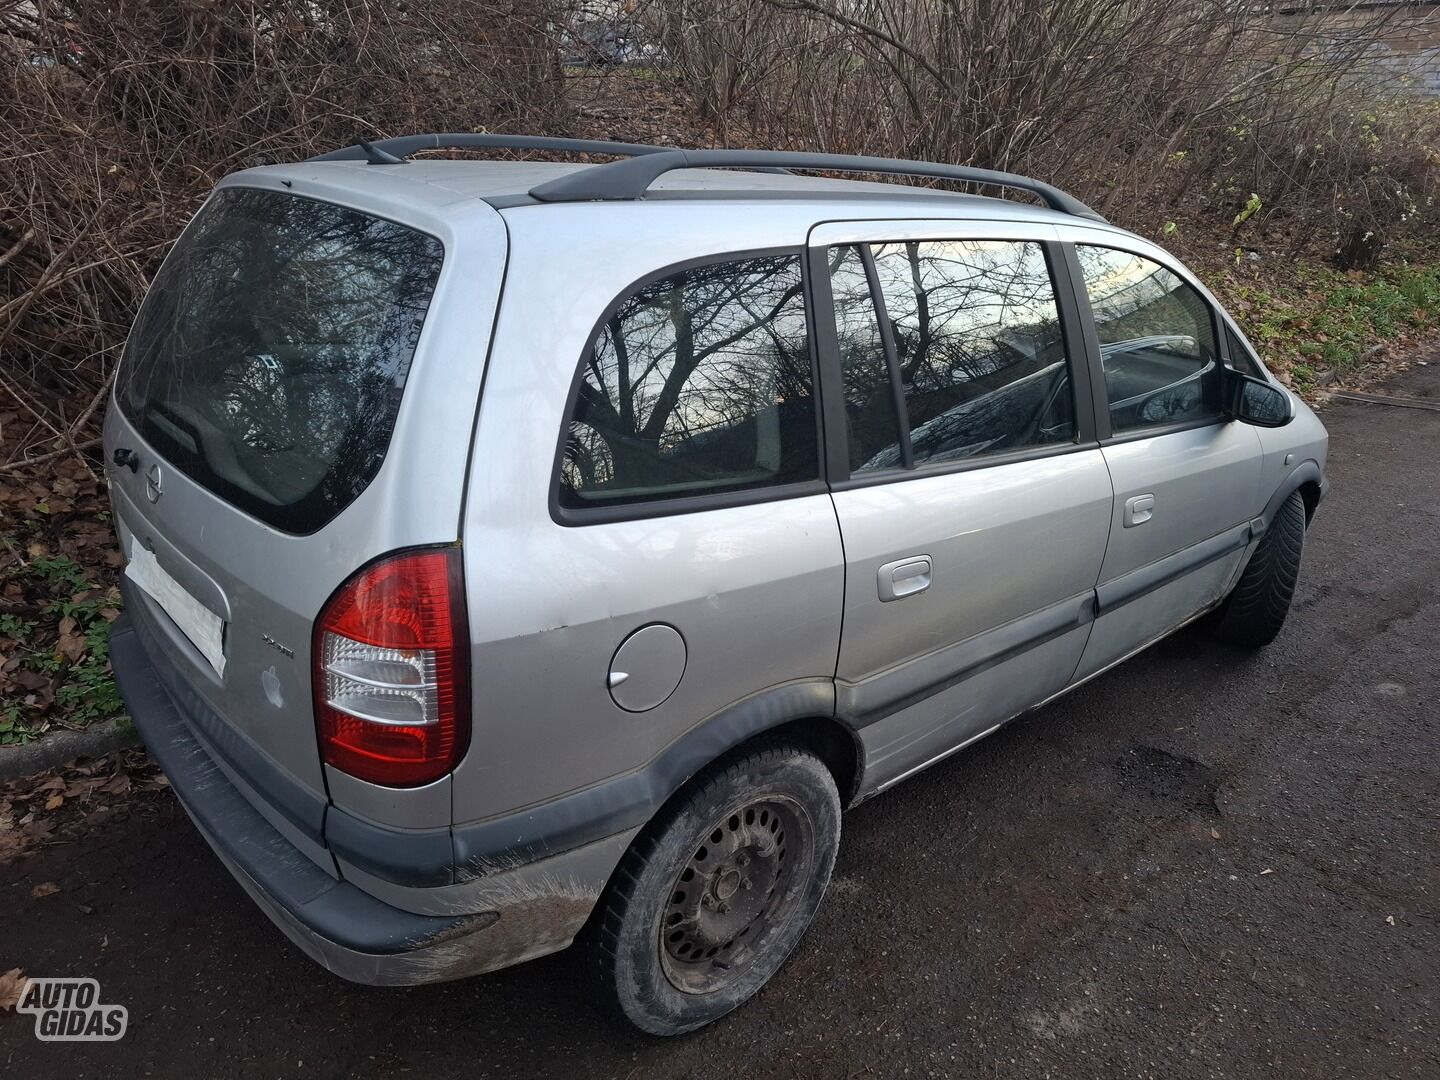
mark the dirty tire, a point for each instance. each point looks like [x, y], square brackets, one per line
[714, 894]
[1255, 611]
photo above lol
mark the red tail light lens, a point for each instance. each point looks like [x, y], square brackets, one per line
[391, 670]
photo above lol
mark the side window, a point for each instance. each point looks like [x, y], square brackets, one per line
[698, 383]
[978, 344]
[872, 423]
[1157, 340]
[1241, 358]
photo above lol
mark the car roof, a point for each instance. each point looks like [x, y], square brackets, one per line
[436, 183]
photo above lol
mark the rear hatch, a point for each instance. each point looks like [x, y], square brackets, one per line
[291, 405]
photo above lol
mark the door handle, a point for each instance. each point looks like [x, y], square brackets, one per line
[903, 577]
[1139, 509]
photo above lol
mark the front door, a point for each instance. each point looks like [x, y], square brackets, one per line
[972, 496]
[1186, 478]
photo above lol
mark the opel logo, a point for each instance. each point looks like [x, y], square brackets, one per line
[153, 491]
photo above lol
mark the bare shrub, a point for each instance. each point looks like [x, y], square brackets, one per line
[116, 119]
[1147, 109]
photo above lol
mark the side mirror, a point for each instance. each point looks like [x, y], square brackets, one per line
[1255, 401]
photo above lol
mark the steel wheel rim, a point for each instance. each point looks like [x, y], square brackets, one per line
[739, 886]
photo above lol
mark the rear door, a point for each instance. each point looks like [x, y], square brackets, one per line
[1186, 478]
[972, 496]
[271, 399]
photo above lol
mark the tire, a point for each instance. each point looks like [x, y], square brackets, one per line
[1255, 610]
[714, 894]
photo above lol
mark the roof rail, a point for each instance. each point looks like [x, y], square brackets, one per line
[629, 179]
[395, 151]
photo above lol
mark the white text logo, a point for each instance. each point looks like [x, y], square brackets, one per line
[69, 1010]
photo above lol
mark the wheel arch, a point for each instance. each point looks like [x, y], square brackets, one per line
[802, 711]
[1305, 478]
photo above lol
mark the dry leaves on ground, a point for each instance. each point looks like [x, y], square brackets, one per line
[57, 805]
[58, 594]
[12, 988]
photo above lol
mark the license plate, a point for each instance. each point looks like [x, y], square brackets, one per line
[203, 627]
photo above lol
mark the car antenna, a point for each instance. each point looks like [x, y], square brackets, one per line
[376, 156]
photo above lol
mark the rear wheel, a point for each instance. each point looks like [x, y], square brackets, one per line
[711, 898]
[1255, 610]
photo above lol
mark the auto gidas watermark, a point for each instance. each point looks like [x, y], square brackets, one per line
[70, 1010]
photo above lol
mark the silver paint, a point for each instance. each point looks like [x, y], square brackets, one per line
[758, 592]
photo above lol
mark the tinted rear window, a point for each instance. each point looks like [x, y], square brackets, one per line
[697, 384]
[270, 355]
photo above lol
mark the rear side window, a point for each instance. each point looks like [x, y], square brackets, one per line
[698, 383]
[1157, 340]
[981, 357]
[269, 358]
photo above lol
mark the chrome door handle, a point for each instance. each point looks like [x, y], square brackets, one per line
[903, 577]
[1139, 509]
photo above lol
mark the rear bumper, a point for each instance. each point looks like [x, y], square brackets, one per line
[339, 925]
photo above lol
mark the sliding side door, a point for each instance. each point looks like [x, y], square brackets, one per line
[972, 496]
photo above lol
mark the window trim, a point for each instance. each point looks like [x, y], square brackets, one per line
[574, 516]
[1104, 428]
[923, 470]
[832, 383]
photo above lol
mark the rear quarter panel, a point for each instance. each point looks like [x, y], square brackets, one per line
[756, 591]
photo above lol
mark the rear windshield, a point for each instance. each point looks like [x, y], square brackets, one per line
[269, 357]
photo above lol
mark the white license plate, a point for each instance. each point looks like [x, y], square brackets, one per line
[203, 627]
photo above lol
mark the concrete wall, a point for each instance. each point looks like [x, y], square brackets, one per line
[1408, 45]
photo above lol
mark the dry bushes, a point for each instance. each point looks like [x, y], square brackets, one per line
[117, 117]
[1150, 110]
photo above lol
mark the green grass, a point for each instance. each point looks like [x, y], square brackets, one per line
[1313, 318]
[70, 639]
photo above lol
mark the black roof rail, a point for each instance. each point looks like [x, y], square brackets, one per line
[395, 151]
[629, 179]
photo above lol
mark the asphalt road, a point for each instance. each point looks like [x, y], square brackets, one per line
[1205, 863]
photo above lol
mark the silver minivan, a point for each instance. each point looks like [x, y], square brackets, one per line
[524, 552]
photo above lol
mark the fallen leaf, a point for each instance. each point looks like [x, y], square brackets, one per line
[54, 802]
[31, 680]
[119, 784]
[79, 789]
[12, 988]
[44, 889]
[71, 646]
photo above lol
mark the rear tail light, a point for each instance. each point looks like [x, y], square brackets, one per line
[391, 670]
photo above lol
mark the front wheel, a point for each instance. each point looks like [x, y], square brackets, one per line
[1255, 610]
[712, 896]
